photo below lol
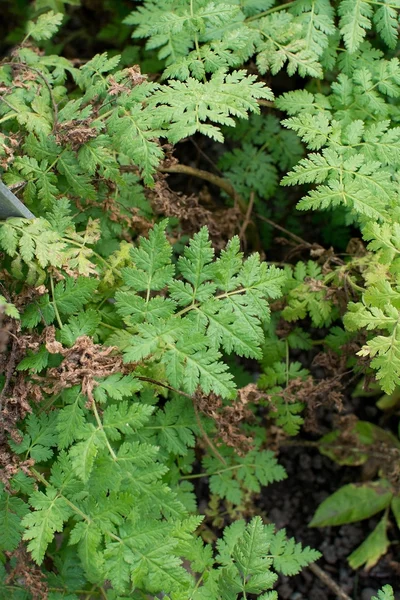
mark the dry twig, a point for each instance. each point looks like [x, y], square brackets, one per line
[247, 217]
[328, 581]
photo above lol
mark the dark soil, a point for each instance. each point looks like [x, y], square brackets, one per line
[292, 503]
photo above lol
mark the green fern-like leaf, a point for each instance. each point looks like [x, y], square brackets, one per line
[288, 557]
[257, 468]
[386, 593]
[354, 22]
[45, 26]
[194, 106]
[187, 343]
[12, 509]
[51, 511]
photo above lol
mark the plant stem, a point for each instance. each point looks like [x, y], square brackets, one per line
[329, 582]
[286, 231]
[247, 216]
[100, 425]
[269, 11]
[206, 438]
[207, 176]
[54, 303]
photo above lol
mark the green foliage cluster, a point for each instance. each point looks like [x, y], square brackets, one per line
[113, 466]
[128, 343]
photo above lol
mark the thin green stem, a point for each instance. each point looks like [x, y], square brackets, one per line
[200, 579]
[73, 506]
[265, 13]
[287, 361]
[196, 38]
[54, 303]
[103, 593]
[104, 115]
[100, 426]
[10, 106]
[185, 310]
[218, 297]
[219, 472]
[8, 116]
[109, 326]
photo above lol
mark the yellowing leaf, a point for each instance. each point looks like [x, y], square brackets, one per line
[372, 548]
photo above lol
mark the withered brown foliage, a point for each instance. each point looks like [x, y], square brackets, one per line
[222, 223]
[81, 365]
[128, 217]
[135, 77]
[14, 404]
[75, 133]
[8, 145]
[314, 394]
[332, 363]
[327, 392]
[27, 574]
[228, 419]
[15, 397]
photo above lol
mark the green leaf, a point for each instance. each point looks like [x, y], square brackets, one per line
[40, 436]
[71, 419]
[34, 361]
[248, 552]
[45, 26]
[355, 20]
[72, 294]
[290, 558]
[85, 323]
[386, 593]
[33, 238]
[387, 21]
[78, 181]
[395, 506]
[372, 548]
[256, 469]
[8, 308]
[125, 418]
[251, 556]
[50, 512]
[177, 424]
[152, 262]
[283, 42]
[366, 434]
[83, 453]
[12, 509]
[353, 503]
[116, 387]
[187, 107]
